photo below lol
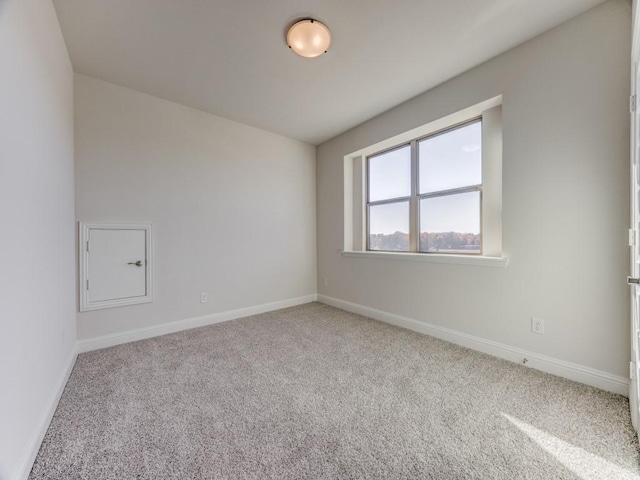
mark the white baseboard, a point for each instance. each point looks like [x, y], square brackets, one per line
[104, 341]
[43, 425]
[572, 371]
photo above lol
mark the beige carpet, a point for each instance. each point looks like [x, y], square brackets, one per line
[313, 392]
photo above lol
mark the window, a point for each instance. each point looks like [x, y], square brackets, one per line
[432, 194]
[426, 196]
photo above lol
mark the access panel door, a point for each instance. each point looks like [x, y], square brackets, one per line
[116, 269]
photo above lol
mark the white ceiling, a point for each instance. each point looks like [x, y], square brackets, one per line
[229, 57]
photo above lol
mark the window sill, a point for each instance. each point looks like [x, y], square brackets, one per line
[473, 260]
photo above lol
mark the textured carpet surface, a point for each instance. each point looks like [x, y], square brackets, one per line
[316, 392]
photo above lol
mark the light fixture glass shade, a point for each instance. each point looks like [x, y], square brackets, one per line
[309, 38]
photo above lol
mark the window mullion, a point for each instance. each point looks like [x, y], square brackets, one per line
[414, 225]
[390, 200]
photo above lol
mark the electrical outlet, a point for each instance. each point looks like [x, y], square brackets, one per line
[537, 325]
[325, 283]
[204, 297]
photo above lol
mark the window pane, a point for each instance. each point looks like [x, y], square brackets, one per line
[389, 227]
[451, 223]
[390, 174]
[451, 160]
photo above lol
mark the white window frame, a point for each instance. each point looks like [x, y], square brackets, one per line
[355, 201]
[414, 198]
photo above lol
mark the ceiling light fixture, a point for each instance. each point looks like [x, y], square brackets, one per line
[309, 38]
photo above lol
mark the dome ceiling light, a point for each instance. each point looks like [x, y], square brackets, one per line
[309, 38]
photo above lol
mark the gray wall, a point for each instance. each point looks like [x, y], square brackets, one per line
[37, 275]
[232, 206]
[565, 201]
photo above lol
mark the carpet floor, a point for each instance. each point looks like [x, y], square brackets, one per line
[314, 392]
